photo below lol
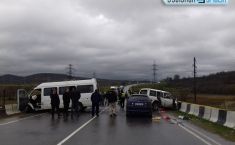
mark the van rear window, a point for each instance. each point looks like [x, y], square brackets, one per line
[85, 88]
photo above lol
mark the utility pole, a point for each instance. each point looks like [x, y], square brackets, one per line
[70, 71]
[154, 72]
[194, 79]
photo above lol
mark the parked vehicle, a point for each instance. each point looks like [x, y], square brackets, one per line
[39, 98]
[159, 98]
[139, 104]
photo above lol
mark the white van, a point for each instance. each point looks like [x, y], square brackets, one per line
[159, 98]
[39, 98]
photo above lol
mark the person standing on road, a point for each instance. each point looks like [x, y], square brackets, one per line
[122, 99]
[119, 94]
[95, 99]
[55, 103]
[106, 94]
[112, 99]
[75, 96]
[66, 101]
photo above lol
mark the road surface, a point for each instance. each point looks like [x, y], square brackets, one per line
[40, 129]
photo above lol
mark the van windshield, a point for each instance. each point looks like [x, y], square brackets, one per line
[35, 92]
[85, 88]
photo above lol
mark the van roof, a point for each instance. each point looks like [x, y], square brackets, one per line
[150, 89]
[66, 83]
[154, 90]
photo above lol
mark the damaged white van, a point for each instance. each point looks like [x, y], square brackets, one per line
[39, 98]
[159, 98]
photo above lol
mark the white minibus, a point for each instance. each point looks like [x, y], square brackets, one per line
[39, 97]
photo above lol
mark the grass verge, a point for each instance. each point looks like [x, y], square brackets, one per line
[224, 132]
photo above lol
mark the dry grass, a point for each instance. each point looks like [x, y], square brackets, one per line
[11, 92]
[219, 101]
[214, 100]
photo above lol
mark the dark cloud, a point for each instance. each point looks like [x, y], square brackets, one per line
[116, 39]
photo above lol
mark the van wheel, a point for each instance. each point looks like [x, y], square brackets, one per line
[155, 106]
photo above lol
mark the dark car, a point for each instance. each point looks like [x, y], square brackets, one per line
[139, 104]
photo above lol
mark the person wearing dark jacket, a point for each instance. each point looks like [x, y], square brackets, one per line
[95, 99]
[55, 103]
[122, 99]
[66, 101]
[75, 96]
[112, 99]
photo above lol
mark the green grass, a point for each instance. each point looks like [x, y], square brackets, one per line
[224, 132]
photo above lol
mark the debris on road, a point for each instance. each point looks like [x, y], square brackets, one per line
[156, 119]
[166, 117]
[183, 117]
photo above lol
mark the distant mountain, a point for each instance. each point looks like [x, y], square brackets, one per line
[51, 77]
[11, 79]
[48, 77]
[33, 79]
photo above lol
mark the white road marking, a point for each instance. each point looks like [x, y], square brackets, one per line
[77, 130]
[14, 121]
[196, 131]
[197, 136]
[207, 137]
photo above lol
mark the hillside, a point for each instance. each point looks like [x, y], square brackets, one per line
[50, 77]
[219, 83]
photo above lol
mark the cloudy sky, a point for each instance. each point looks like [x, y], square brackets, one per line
[118, 39]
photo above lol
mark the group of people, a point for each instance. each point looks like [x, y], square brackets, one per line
[72, 94]
[111, 98]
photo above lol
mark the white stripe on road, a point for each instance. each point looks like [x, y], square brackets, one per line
[197, 136]
[212, 140]
[77, 130]
[194, 133]
[14, 121]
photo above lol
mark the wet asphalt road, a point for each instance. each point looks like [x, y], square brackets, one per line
[103, 130]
